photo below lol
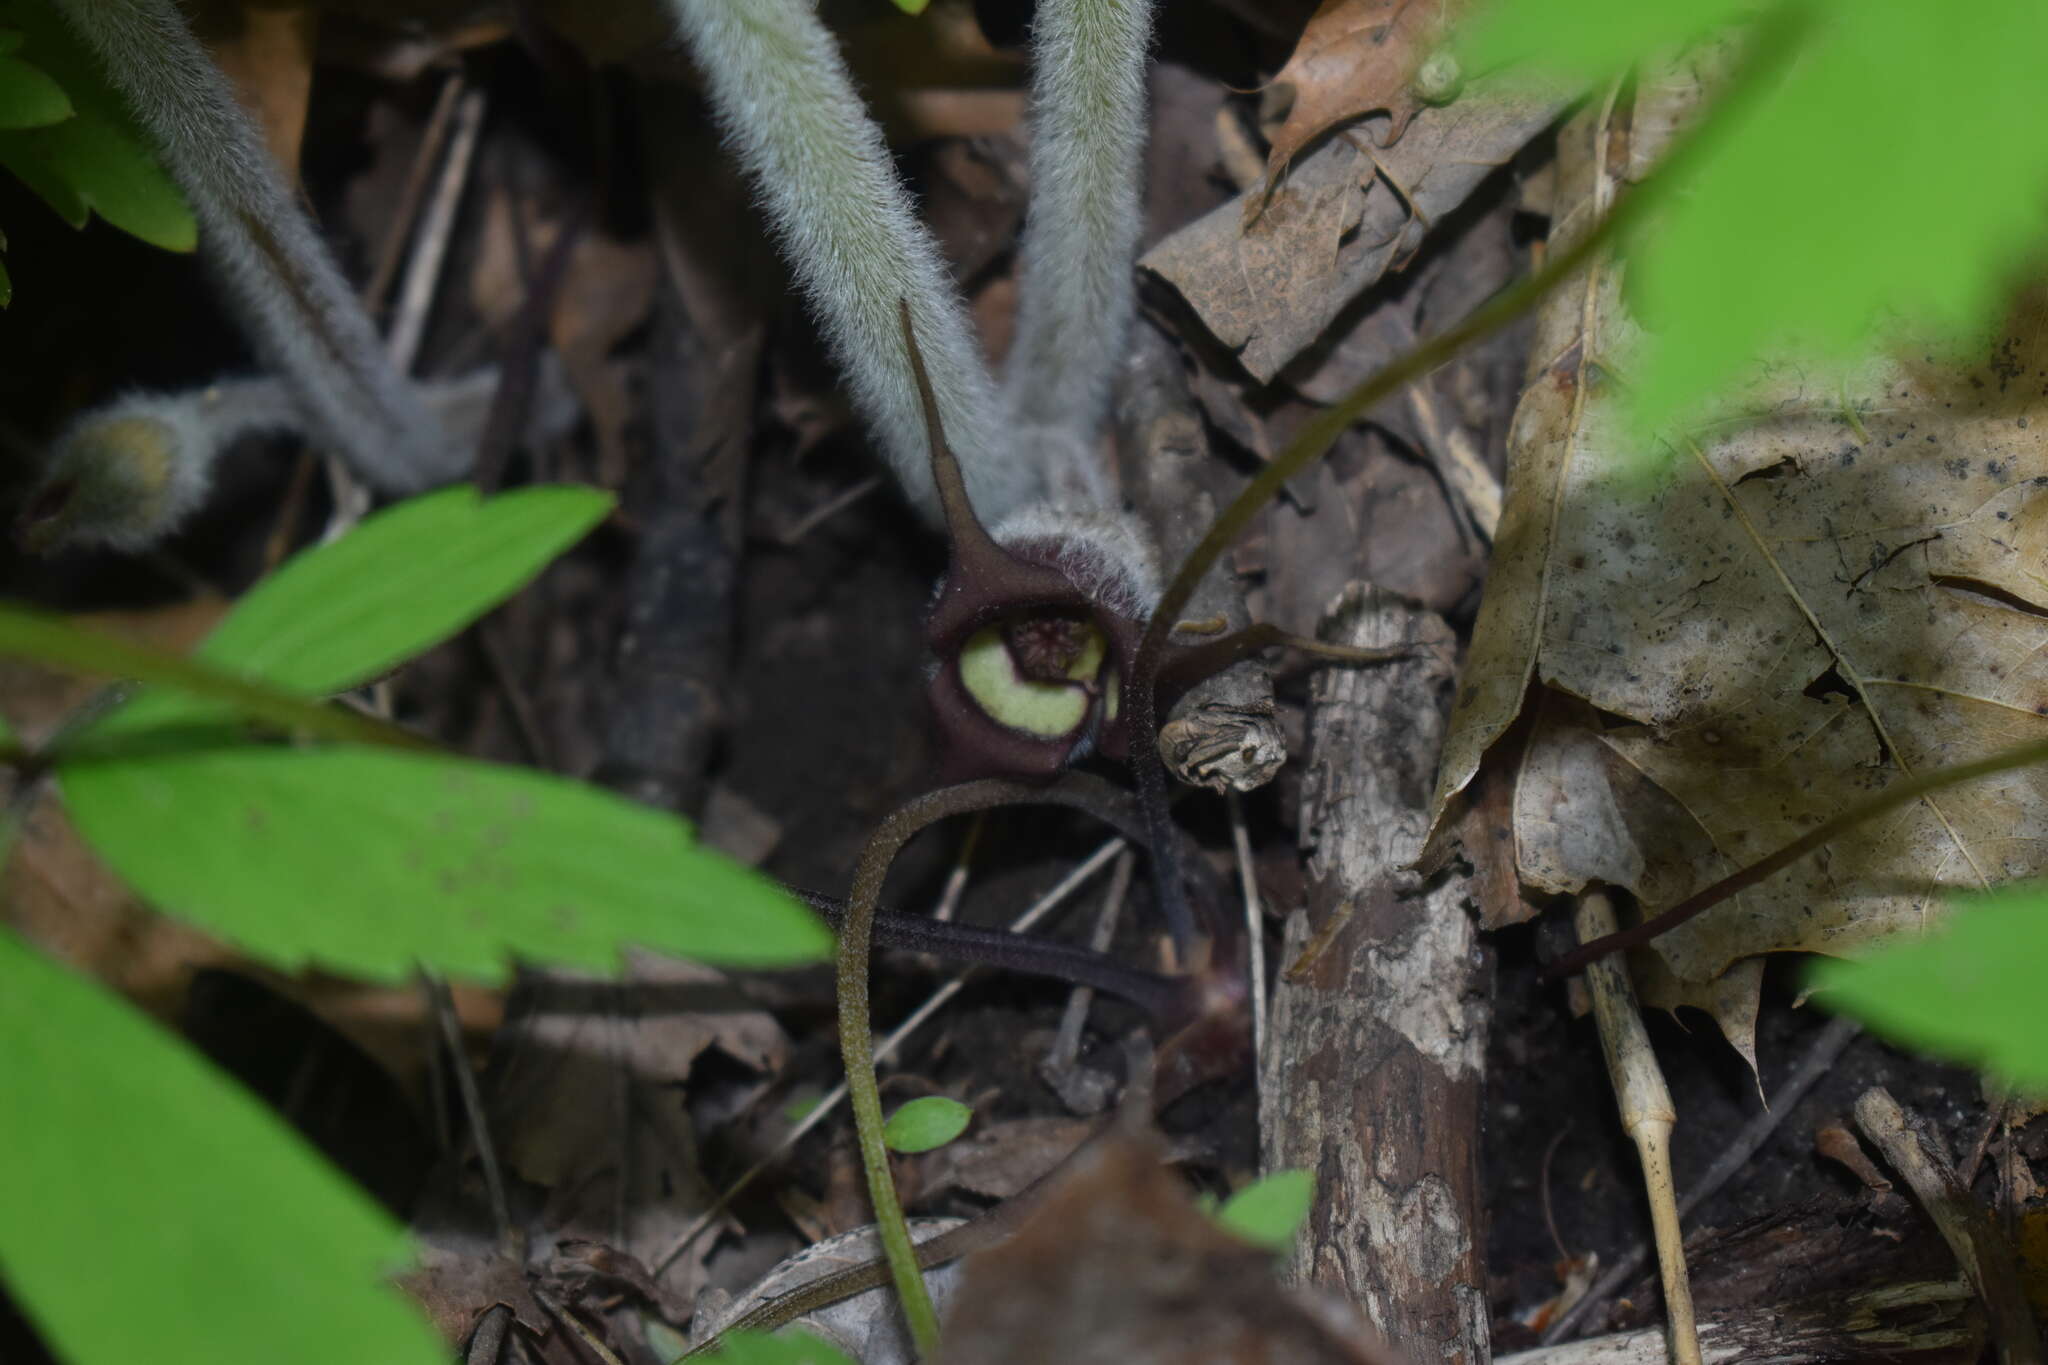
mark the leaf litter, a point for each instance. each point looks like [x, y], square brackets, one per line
[1832, 586]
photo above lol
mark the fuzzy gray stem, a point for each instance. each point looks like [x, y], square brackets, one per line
[1075, 292]
[298, 311]
[786, 102]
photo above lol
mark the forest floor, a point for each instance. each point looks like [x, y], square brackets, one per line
[790, 718]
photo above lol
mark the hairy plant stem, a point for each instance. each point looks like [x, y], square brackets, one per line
[856, 1037]
[1772, 44]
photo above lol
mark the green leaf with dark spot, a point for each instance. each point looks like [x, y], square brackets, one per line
[923, 1124]
[1970, 991]
[1269, 1210]
[404, 580]
[156, 1212]
[374, 862]
[28, 97]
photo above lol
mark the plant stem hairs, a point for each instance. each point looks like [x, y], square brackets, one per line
[285, 288]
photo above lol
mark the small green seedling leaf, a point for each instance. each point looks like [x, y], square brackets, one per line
[373, 862]
[923, 1124]
[155, 1212]
[402, 581]
[784, 1348]
[1270, 1210]
[1789, 230]
[912, 6]
[1970, 991]
[28, 97]
[96, 161]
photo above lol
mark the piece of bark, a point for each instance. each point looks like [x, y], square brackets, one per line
[1377, 1040]
[1987, 1260]
[1223, 734]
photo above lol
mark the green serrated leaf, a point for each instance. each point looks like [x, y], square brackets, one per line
[98, 160]
[405, 579]
[28, 97]
[1789, 230]
[922, 1124]
[783, 1348]
[1970, 991]
[1269, 1210]
[156, 1212]
[373, 862]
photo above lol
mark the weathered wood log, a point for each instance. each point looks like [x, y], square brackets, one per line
[1223, 734]
[1377, 1041]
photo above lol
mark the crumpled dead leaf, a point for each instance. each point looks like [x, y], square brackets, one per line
[1118, 1267]
[1344, 215]
[1355, 57]
[586, 1101]
[1844, 583]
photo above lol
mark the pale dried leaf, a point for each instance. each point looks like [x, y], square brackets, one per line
[1839, 586]
[1344, 215]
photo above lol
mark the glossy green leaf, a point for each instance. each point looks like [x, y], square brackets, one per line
[375, 861]
[1970, 991]
[155, 1212]
[28, 97]
[1790, 228]
[1269, 1210]
[404, 580]
[784, 1348]
[922, 1124]
[98, 160]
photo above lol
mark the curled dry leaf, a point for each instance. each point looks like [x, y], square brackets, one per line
[1774, 616]
[1344, 215]
[1118, 1267]
[1355, 57]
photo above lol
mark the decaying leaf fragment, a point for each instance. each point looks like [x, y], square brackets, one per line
[1118, 1267]
[1355, 57]
[1771, 617]
[1343, 216]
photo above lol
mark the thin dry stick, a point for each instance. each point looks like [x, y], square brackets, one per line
[1985, 1258]
[963, 863]
[392, 253]
[472, 1101]
[1066, 1045]
[1458, 461]
[1255, 944]
[1818, 1061]
[1646, 1115]
[415, 293]
[885, 1049]
[577, 1327]
[423, 272]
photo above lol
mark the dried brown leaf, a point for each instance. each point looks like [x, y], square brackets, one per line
[1345, 214]
[1118, 1267]
[1355, 57]
[1837, 586]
